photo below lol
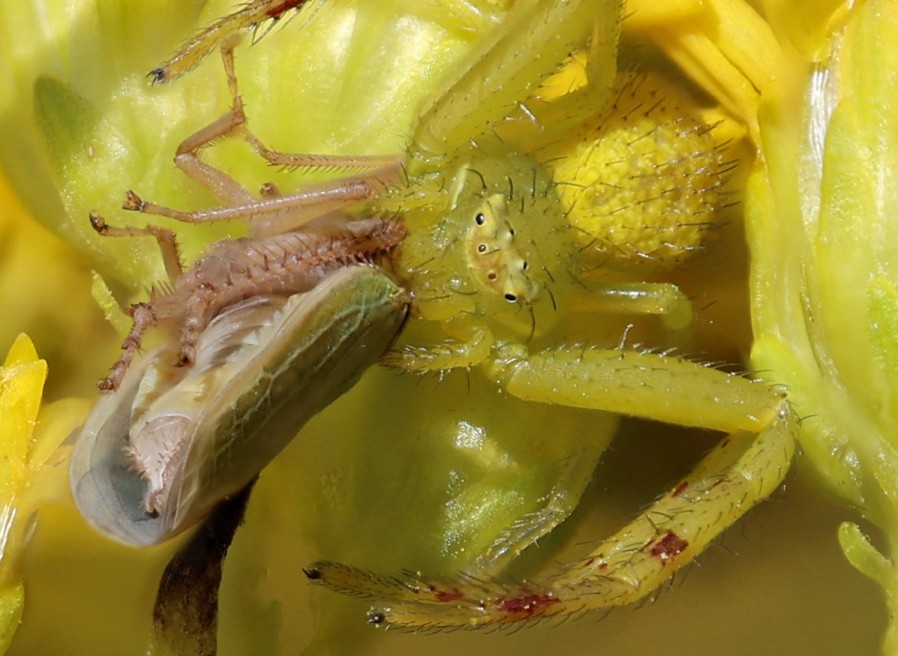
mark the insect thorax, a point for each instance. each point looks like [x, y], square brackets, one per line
[492, 243]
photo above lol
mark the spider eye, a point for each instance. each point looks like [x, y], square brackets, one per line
[481, 248]
[524, 266]
[480, 219]
[511, 298]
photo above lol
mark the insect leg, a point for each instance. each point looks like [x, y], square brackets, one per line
[379, 166]
[273, 213]
[225, 188]
[291, 210]
[143, 316]
[234, 123]
[197, 314]
[168, 244]
[294, 160]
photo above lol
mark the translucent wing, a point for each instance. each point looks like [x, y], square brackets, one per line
[170, 443]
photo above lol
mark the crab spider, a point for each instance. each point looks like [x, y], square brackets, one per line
[494, 259]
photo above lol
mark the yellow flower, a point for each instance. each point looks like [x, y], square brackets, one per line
[822, 224]
[32, 473]
[815, 85]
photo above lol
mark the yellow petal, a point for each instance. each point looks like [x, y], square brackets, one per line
[21, 384]
[12, 599]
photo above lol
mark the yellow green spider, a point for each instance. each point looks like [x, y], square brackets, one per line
[533, 262]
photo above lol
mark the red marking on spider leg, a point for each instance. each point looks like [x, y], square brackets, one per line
[448, 596]
[679, 489]
[669, 546]
[589, 562]
[528, 605]
[719, 481]
[287, 5]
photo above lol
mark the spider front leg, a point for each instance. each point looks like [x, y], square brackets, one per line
[220, 33]
[472, 341]
[503, 72]
[470, 345]
[748, 466]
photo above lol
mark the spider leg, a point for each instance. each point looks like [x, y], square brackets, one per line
[747, 466]
[219, 33]
[503, 71]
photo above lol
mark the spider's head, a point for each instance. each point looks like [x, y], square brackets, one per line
[494, 256]
[492, 245]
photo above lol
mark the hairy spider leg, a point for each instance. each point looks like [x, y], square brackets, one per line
[745, 468]
[502, 73]
[219, 33]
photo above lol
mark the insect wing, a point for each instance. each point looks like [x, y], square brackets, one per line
[104, 486]
[263, 368]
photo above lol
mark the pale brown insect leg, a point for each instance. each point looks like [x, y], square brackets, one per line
[225, 188]
[272, 213]
[168, 244]
[143, 316]
[234, 123]
[198, 311]
[294, 160]
[278, 213]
